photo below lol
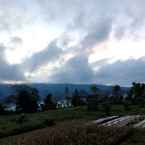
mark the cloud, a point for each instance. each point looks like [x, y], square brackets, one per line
[60, 47]
[17, 14]
[16, 40]
[76, 70]
[50, 54]
[98, 32]
[84, 24]
[9, 72]
[122, 72]
[95, 21]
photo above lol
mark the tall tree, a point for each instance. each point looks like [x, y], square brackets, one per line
[92, 99]
[76, 100]
[116, 90]
[26, 100]
[138, 92]
[2, 108]
[94, 89]
[49, 103]
[68, 96]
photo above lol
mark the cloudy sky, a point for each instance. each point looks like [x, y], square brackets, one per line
[72, 41]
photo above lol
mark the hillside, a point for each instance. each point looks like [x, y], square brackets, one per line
[58, 90]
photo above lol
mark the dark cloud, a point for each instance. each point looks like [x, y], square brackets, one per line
[49, 54]
[122, 72]
[76, 70]
[98, 32]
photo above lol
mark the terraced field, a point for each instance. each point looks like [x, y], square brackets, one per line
[70, 133]
[98, 132]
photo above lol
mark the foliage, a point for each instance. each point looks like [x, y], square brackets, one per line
[138, 92]
[116, 97]
[9, 123]
[92, 103]
[76, 100]
[94, 89]
[116, 90]
[49, 103]
[92, 100]
[2, 108]
[26, 100]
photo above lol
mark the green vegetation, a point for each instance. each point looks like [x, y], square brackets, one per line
[49, 104]
[78, 133]
[70, 133]
[16, 124]
[90, 107]
[76, 100]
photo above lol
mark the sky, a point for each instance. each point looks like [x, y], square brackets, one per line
[72, 41]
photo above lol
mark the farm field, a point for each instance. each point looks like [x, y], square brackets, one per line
[9, 124]
[70, 133]
[78, 133]
[55, 119]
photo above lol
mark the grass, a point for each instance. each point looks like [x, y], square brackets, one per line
[9, 125]
[70, 133]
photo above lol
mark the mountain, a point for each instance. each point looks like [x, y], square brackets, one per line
[58, 90]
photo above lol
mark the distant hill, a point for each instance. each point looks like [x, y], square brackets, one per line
[58, 90]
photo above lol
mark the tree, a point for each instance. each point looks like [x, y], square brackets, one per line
[92, 100]
[2, 108]
[138, 93]
[94, 89]
[116, 90]
[68, 96]
[76, 100]
[49, 103]
[26, 100]
[136, 89]
[116, 94]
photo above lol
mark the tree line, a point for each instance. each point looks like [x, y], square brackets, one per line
[27, 99]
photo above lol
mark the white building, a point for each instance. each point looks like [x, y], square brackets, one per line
[64, 104]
